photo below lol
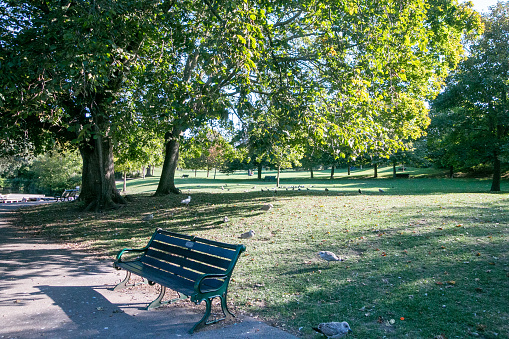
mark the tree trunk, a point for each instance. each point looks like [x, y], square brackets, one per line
[171, 157]
[215, 171]
[451, 171]
[124, 187]
[259, 171]
[143, 172]
[149, 171]
[375, 168]
[312, 174]
[332, 172]
[278, 172]
[98, 189]
[394, 169]
[495, 184]
[349, 169]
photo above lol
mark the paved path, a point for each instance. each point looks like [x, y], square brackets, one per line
[48, 290]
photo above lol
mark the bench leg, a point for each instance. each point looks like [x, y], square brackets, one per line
[225, 309]
[156, 303]
[123, 283]
[203, 320]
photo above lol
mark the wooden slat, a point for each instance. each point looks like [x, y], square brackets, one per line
[191, 254]
[200, 247]
[197, 239]
[176, 283]
[183, 262]
[169, 272]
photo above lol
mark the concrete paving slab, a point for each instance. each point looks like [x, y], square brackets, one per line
[49, 290]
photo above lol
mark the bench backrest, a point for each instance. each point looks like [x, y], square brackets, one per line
[190, 257]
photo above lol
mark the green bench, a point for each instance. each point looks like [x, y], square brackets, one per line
[269, 178]
[195, 268]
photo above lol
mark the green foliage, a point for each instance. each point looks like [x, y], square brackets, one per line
[470, 118]
[207, 149]
[54, 172]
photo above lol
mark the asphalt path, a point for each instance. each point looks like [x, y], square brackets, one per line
[50, 290]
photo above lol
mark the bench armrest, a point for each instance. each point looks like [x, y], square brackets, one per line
[198, 283]
[119, 255]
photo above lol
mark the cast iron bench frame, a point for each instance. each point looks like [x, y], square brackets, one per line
[195, 268]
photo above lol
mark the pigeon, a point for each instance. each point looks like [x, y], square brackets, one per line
[333, 330]
[266, 207]
[328, 256]
[381, 190]
[226, 219]
[326, 189]
[186, 201]
[360, 192]
[247, 235]
[148, 217]
[222, 188]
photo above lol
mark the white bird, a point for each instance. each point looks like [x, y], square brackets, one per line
[186, 201]
[381, 190]
[266, 207]
[247, 235]
[333, 330]
[329, 256]
[148, 217]
[225, 219]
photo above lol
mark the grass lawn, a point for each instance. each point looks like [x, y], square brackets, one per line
[428, 257]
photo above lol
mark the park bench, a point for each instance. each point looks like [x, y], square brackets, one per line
[68, 195]
[195, 268]
[269, 178]
[185, 175]
[403, 175]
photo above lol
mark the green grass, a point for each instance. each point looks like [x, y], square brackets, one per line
[428, 257]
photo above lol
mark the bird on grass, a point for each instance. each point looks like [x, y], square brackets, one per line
[360, 192]
[186, 201]
[381, 190]
[333, 330]
[266, 207]
[326, 189]
[226, 219]
[247, 235]
[148, 217]
[329, 256]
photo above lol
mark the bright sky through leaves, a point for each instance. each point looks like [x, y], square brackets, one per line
[483, 5]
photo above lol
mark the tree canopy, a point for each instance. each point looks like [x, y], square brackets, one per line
[472, 114]
[352, 75]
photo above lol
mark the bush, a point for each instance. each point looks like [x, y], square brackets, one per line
[52, 173]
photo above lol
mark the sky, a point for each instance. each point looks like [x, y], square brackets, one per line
[482, 5]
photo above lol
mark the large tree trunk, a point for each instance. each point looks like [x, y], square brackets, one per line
[171, 157]
[495, 184]
[375, 168]
[311, 170]
[98, 189]
[260, 171]
[332, 172]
